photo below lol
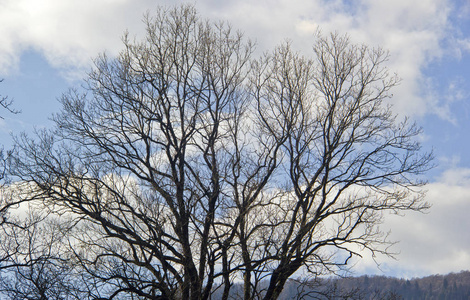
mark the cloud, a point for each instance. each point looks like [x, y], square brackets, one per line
[412, 31]
[67, 33]
[433, 243]
[70, 33]
[462, 46]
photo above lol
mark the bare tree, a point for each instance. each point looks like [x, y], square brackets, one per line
[187, 165]
[34, 262]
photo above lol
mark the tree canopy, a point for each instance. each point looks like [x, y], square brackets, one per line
[187, 165]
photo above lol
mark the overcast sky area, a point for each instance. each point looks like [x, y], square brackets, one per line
[47, 46]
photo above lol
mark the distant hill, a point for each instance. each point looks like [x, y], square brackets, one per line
[454, 286]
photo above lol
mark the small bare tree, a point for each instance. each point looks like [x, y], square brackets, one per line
[188, 166]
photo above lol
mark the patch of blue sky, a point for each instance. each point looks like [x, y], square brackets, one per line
[35, 88]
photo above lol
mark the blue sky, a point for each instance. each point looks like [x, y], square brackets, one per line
[46, 46]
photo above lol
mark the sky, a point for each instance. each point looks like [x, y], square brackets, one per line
[47, 46]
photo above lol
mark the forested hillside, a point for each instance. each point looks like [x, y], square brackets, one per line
[451, 286]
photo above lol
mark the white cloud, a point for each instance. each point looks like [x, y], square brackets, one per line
[411, 30]
[70, 33]
[433, 243]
